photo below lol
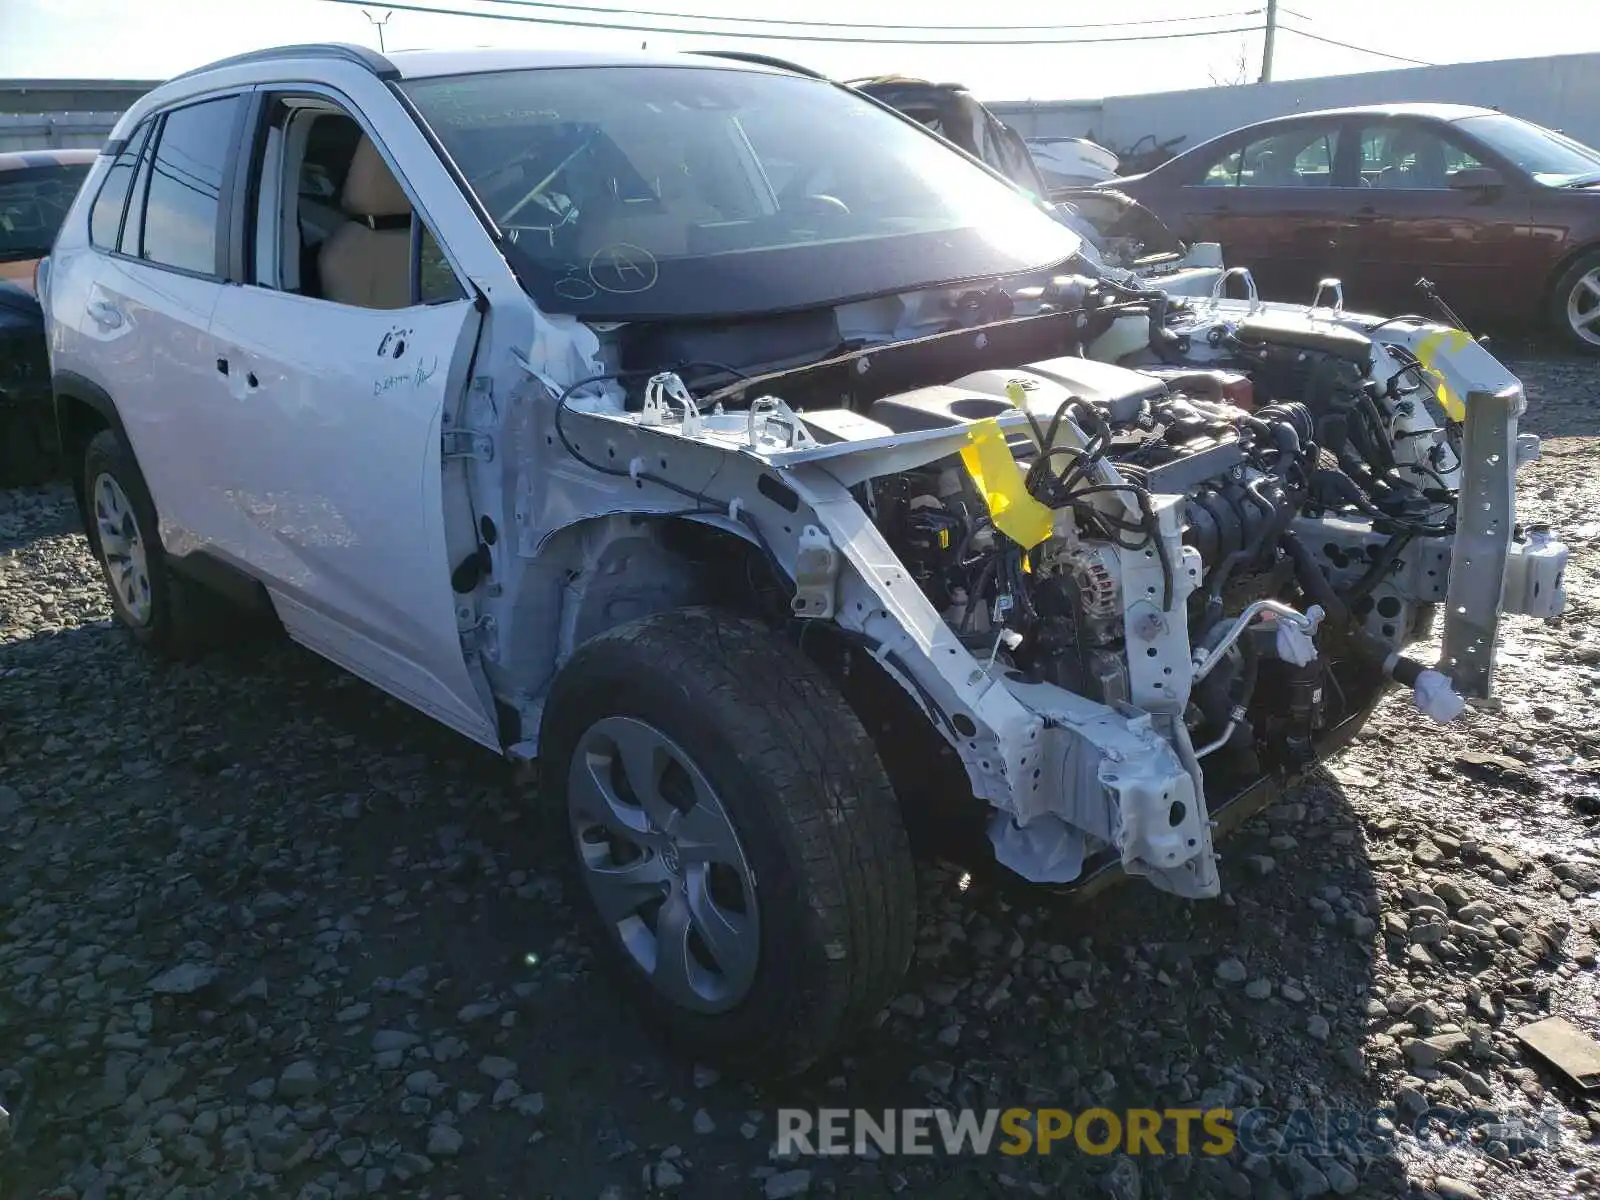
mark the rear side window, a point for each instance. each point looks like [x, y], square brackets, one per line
[185, 190]
[33, 203]
[105, 219]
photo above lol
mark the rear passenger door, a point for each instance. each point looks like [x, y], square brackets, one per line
[346, 338]
[1270, 200]
[158, 220]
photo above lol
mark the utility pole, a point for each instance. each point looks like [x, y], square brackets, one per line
[1266, 47]
[378, 25]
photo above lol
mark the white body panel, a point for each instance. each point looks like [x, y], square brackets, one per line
[331, 475]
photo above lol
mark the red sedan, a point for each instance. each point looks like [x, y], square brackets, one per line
[1501, 214]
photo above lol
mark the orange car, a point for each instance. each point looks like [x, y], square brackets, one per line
[36, 189]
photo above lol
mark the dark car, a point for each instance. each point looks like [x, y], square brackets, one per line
[1503, 215]
[36, 189]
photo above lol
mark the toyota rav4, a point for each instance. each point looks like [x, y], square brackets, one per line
[780, 479]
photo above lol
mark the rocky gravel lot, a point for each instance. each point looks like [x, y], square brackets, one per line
[265, 932]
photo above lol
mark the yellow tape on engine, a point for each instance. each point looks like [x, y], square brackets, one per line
[1428, 349]
[1016, 514]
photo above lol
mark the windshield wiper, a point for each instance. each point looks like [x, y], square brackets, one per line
[1583, 180]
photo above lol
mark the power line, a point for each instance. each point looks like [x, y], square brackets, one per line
[802, 37]
[1416, 62]
[593, 11]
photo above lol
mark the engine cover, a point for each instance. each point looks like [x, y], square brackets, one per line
[1118, 392]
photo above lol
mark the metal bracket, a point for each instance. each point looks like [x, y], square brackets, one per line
[467, 443]
[481, 637]
[1485, 516]
[1323, 285]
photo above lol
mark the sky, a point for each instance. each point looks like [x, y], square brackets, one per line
[150, 39]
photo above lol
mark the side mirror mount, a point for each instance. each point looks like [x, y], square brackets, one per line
[1477, 179]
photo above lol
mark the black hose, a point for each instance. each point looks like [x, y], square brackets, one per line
[1313, 580]
[1379, 567]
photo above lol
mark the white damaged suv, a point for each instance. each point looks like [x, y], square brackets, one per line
[782, 480]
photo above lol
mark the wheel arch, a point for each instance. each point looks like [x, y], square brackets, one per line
[1566, 263]
[82, 409]
[929, 779]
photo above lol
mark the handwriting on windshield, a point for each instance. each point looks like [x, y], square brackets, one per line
[623, 269]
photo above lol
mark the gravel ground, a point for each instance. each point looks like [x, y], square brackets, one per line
[265, 932]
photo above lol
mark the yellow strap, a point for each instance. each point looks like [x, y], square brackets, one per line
[989, 461]
[1428, 350]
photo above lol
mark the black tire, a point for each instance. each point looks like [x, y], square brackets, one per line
[810, 804]
[185, 619]
[1562, 293]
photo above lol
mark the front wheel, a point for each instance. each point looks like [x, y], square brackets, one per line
[736, 847]
[1575, 304]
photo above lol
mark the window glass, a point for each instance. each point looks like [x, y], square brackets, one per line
[105, 219]
[1551, 158]
[1224, 173]
[180, 223]
[1410, 158]
[33, 203]
[439, 282]
[1301, 157]
[648, 192]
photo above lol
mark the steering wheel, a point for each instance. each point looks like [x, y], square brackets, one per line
[823, 204]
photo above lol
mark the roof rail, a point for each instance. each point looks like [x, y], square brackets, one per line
[762, 60]
[336, 51]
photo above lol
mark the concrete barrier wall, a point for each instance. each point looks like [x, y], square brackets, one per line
[54, 131]
[1560, 91]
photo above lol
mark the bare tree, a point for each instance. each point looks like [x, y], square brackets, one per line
[1238, 71]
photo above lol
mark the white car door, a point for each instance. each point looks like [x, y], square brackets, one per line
[149, 308]
[336, 409]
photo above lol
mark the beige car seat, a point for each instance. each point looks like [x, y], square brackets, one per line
[367, 260]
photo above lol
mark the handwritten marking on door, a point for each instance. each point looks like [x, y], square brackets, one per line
[413, 379]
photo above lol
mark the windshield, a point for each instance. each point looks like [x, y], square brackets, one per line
[1552, 159]
[680, 192]
[33, 203]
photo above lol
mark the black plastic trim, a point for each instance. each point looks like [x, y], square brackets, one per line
[244, 189]
[72, 386]
[223, 578]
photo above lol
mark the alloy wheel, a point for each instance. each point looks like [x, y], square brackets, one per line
[1583, 307]
[122, 549]
[664, 864]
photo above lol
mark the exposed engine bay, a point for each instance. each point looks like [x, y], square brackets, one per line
[1161, 547]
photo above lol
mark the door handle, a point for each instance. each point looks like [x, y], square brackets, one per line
[1366, 213]
[105, 313]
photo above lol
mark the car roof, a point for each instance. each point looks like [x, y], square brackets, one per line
[426, 64]
[17, 160]
[1429, 111]
[423, 64]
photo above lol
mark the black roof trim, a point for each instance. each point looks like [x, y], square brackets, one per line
[761, 60]
[337, 51]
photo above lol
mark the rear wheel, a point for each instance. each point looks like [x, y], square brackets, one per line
[1575, 303]
[164, 611]
[737, 850]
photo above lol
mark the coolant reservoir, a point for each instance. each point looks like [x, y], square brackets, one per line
[1131, 333]
[1535, 572]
